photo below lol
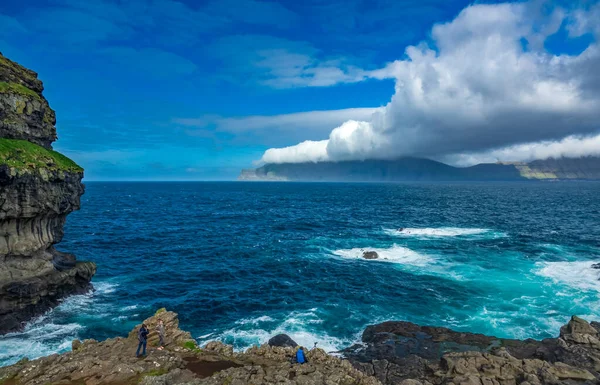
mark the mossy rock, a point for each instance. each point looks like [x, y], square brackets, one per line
[23, 155]
[156, 372]
[15, 88]
[190, 345]
[161, 310]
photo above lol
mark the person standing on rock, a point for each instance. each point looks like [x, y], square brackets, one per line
[161, 333]
[142, 338]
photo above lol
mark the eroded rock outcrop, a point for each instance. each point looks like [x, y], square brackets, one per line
[418, 356]
[181, 361]
[24, 112]
[402, 352]
[38, 189]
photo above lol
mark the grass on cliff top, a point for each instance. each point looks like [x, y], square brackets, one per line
[16, 88]
[22, 154]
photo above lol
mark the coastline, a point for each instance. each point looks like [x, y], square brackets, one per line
[393, 352]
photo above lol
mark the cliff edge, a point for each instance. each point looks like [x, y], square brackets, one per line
[39, 187]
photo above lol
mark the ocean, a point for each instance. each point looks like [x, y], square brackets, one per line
[241, 262]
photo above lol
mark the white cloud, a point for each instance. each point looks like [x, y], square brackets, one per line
[573, 146]
[307, 151]
[281, 63]
[299, 125]
[584, 21]
[477, 89]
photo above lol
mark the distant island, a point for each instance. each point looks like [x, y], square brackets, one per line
[419, 169]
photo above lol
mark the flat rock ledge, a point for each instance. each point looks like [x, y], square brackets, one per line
[391, 353]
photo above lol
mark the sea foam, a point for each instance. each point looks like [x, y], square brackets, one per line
[579, 274]
[394, 254]
[437, 232]
[45, 335]
[301, 326]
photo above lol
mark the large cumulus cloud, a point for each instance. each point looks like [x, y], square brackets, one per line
[484, 84]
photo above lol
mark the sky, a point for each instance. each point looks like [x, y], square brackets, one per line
[198, 90]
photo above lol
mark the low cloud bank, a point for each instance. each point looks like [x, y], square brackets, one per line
[485, 88]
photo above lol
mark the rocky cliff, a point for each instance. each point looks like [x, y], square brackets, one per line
[38, 189]
[392, 353]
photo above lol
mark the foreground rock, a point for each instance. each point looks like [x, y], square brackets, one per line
[393, 353]
[38, 189]
[401, 351]
[113, 362]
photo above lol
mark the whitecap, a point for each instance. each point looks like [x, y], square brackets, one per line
[438, 232]
[579, 274]
[46, 335]
[104, 287]
[254, 321]
[40, 338]
[298, 325]
[394, 254]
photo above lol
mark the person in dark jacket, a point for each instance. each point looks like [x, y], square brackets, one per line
[142, 338]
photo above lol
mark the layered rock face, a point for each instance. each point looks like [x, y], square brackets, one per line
[24, 112]
[38, 189]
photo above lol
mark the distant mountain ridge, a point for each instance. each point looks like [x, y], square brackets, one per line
[420, 169]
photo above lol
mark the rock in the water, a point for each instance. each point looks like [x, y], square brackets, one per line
[38, 189]
[596, 266]
[370, 255]
[282, 340]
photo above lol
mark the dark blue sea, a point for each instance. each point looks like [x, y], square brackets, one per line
[241, 262]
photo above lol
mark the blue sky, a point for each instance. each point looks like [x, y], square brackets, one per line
[189, 90]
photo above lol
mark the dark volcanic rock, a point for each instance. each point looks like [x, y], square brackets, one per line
[36, 195]
[370, 255]
[596, 266]
[282, 340]
[63, 261]
[396, 351]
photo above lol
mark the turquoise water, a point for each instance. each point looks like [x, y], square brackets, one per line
[241, 262]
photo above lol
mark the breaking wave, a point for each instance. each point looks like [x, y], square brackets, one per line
[578, 275]
[394, 254]
[440, 232]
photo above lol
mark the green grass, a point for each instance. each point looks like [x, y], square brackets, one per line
[156, 372]
[16, 88]
[190, 345]
[24, 155]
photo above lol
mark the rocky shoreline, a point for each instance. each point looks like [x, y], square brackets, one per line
[39, 187]
[391, 353]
